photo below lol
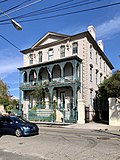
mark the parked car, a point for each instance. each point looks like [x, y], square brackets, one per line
[17, 126]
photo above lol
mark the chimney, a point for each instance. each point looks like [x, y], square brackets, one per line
[101, 45]
[92, 31]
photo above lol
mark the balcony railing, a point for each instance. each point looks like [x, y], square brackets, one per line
[54, 81]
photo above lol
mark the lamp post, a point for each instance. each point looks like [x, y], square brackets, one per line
[15, 24]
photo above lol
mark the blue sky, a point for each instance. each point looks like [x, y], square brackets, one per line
[106, 22]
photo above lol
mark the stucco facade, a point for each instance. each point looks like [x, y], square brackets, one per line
[71, 66]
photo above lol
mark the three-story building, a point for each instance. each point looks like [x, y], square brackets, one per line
[70, 68]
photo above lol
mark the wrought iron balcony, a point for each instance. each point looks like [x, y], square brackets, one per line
[65, 81]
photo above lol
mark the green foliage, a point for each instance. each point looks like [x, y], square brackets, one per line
[54, 110]
[39, 94]
[110, 87]
[4, 94]
[5, 99]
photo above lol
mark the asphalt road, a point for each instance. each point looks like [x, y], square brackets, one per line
[62, 144]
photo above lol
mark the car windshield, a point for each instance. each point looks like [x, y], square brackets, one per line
[18, 120]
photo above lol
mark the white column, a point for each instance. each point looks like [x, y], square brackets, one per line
[114, 112]
[81, 111]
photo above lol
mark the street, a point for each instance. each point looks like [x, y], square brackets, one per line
[62, 144]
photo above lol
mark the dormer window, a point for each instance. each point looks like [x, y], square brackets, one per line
[31, 59]
[40, 56]
[75, 48]
[62, 51]
[50, 54]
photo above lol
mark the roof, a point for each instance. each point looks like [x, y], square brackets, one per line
[60, 38]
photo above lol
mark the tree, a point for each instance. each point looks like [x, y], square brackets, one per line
[4, 94]
[110, 87]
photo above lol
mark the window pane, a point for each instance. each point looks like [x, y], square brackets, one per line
[31, 59]
[62, 51]
[40, 56]
[75, 47]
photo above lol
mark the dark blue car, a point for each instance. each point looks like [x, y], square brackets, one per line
[17, 126]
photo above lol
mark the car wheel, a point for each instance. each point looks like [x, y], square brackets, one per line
[18, 133]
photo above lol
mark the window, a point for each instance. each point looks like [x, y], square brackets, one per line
[75, 47]
[50, 54]
[100, 77]
[62, 51]
[31, 59]
[104, 66]
[96, 77]
[90, 50]
[91, 73]
[96, 58]
[40, 56]
[100, 62]
[91, 97]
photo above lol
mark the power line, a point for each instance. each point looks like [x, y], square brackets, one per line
[3, 1]
[55, 8]
[39, 12]
[10, 42]
[14, 7]
[52, 8]
[70, 13]
[25, 6]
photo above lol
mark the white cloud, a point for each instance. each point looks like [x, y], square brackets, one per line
[109, 28]
[9, 62]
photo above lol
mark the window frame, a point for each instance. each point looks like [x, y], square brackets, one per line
[91, 50]
[91, 73]
[75, 48]
[31, 58]
[62, 51]
[40, 56]
[50, 56]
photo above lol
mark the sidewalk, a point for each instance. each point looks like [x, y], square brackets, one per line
[93, 125]
[90, 126]
[97, 126]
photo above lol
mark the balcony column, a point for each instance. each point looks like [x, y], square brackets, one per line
[49, 69]
[62, 71]
[74, 69]
[20, 94]
[74, 87]
[28, 73]
[50, 97]
[37, 72]
[51, 101]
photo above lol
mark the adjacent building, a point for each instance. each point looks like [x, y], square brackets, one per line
[70, 68]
